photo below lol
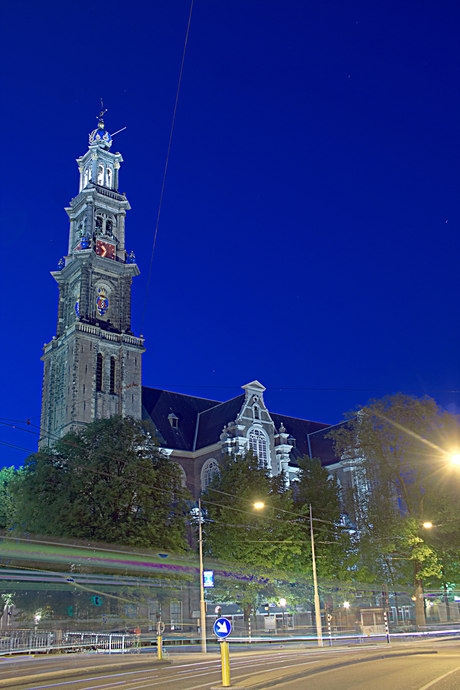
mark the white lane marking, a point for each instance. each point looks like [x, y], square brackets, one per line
[147, 685]
[40, 687]
[429, 685]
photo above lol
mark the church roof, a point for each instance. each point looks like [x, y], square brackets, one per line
[200, 422]
[157, 404]
[304, 430]
[211, 422]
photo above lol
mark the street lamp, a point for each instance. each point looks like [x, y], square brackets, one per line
[202, 602]
[427, 525]
[319, 630]
[259, 505]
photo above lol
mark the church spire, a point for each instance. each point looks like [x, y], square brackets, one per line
[100, 136]
[93, 364]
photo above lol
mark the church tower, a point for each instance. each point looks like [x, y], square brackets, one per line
[92, 366]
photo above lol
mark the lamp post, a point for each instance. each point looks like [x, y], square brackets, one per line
[319, 630]
[202, 602]
[283, 607]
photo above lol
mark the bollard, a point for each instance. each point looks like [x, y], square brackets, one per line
[159, 647]
[225, 664]
[387, 626]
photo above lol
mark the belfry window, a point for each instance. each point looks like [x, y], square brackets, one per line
[112, 374]
[258, 445]
[100, 174]
[99, 222]
[108, 227]
[99, 366]
[108, 177]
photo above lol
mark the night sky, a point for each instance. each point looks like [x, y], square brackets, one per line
[309, 233]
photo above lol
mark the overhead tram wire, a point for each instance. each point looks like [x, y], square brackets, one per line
[168, 491]
[166, 166]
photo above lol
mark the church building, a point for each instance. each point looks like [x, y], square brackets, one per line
[92, 366]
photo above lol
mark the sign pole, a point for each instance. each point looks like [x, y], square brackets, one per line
[202, 602]
[223, 628]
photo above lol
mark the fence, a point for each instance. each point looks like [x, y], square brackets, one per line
[42, 641]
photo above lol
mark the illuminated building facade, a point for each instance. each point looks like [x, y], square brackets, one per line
[92, 366]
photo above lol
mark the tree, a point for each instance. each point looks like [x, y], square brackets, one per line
[268, 540]
[107, 481]
[333, 543]
[7, 504]
[397, 447]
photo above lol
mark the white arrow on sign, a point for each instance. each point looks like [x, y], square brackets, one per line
[222, 627]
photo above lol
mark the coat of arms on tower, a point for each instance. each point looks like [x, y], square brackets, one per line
[102, 302]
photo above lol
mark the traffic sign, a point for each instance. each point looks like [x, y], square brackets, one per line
[222, 627]
[208, 578]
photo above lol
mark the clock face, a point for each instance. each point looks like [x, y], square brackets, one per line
[105, 249]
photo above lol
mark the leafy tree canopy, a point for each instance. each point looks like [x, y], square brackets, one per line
[235, 531]
[399, 449]
[7, 503]
[107, 481]
[334, 547]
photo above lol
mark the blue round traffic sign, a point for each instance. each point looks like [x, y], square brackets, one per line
[222, 627]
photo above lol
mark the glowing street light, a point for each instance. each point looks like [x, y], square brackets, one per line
[427, 525]
[346, 604]
[258, 505]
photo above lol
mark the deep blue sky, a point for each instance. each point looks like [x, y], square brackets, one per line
[309, 235]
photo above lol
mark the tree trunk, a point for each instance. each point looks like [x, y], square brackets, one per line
[420, 621]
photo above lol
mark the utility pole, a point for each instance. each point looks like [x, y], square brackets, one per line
[202, 602]
[319, 631]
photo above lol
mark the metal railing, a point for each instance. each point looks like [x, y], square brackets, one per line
[42, 641]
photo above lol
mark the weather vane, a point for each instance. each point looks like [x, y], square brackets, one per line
[102, 111]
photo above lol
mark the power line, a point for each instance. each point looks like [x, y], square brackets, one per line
[166, 166]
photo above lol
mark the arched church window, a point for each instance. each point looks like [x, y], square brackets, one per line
[258, 445]
[108, 177]
[183, 477]
[100, 174]
[109, 227]
[209, 470]
[99, 365]
[99, 224]
[112, 374]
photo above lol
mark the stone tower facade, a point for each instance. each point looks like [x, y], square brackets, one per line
[92, 366]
